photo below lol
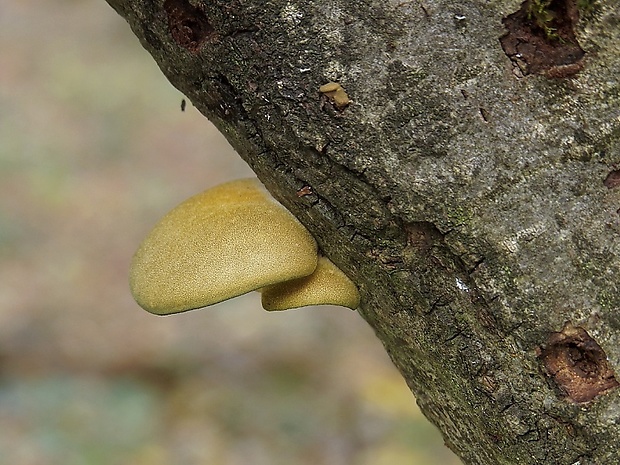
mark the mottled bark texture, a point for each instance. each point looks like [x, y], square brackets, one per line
[466, 180]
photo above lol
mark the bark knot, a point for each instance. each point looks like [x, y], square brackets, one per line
[188, 24]
[577, 364]
[541, 38]
[612, 180]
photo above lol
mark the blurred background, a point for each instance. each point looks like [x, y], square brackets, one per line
[94, 149]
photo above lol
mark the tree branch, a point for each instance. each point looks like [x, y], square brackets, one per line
[465, 187]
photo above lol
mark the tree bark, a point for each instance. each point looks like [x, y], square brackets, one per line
[466, 180]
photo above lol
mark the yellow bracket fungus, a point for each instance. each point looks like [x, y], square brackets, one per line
[227, 241]
[326, 286]
[336, 93]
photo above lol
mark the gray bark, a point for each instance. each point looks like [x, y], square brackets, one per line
[470, 195]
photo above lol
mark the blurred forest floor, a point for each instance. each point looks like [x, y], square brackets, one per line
[94, 149]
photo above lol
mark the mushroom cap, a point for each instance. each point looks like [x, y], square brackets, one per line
[227, 241]
[329, 87]
[326, 286]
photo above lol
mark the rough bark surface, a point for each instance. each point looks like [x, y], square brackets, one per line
[472, 199]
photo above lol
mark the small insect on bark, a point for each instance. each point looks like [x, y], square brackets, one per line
[183, 104]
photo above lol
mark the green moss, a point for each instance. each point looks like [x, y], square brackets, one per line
[544, 14]
[608, 300]
[585, 6]
[460, 214]
[540, 12]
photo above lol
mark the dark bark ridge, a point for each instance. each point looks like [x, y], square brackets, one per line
[470, 204]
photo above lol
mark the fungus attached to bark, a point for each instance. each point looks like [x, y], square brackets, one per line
[224, 242]
[326, 286]
[336, 94]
